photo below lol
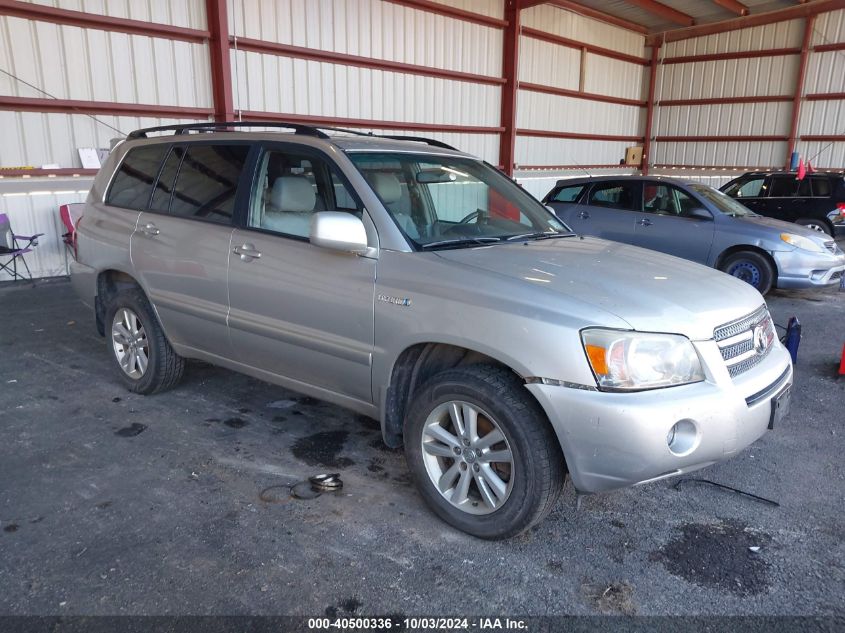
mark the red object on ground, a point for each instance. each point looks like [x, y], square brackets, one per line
[842, 363]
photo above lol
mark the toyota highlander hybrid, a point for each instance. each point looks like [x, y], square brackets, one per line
[413, 283]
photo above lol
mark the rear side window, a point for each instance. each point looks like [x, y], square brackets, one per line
[821, 186]
[568, 194]
[133, 182]
[164, 186]
[618, 195]
[208, 181]
[783, 187]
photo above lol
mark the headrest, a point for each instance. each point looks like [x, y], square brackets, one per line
[387, 186]
[292, 193]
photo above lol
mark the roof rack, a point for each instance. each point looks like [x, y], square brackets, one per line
[306, 130]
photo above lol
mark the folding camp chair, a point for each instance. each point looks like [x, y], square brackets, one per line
[14, 247]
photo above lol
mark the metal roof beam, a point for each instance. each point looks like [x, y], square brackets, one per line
[733, 6]
[589, 12]
[664, 11]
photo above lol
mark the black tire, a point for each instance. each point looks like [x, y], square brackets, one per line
[752, 268]
[164, 367]
[537, 471]
[816, 225]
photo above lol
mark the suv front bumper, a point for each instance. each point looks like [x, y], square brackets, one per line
[615, 440]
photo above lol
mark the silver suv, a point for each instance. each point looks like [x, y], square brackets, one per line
[418, 285]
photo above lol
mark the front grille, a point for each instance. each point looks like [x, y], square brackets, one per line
[745, 342]
[836, 275]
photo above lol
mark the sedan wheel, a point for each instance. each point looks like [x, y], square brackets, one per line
[752, 268]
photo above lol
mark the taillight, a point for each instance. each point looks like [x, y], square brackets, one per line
[841, 207]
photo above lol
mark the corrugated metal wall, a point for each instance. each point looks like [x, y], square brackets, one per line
[825, 74]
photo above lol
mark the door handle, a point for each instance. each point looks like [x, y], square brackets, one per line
[247, 252]
[150, 229]
[645, 222]
[584, 215]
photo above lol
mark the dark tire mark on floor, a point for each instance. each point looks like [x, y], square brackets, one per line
[322, 449]
[235, 423]
[136, 428]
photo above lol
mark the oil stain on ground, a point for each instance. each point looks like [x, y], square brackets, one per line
[718, 556]
[322, 449]
[136, 428]
[235, 423]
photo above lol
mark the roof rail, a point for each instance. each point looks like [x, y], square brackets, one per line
[306, 130]
[395, 137]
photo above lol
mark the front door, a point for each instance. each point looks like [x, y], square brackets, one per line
[299, 311]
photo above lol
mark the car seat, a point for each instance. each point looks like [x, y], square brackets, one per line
[291, 206]
[389, 189]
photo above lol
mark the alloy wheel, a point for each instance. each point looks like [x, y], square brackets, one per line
[129, 340]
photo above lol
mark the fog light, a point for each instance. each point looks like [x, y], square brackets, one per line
[682, 438]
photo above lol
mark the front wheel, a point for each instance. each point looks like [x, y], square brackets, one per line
[143, 355]
[751, 268]
[482, 452]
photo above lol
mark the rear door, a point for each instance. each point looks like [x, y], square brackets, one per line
[786, 195]
[180, 248]
[608, 210]
[665, 224]
[300, 311]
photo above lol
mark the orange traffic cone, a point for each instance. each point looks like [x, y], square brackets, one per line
[842, 363]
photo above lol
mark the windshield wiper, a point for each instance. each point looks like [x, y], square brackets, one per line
[539, 235]
[463, 241]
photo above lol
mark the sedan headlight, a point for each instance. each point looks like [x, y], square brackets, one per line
[633, 361]
[804, 243]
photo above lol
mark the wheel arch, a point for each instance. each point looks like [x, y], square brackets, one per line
[739, 248]
[109, 283]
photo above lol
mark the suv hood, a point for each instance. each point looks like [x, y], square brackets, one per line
[650, 291]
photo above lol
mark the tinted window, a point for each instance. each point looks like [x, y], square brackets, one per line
[821, 186]
[164, 186]
[568, 194]
[749, 188]
[133, 182]
[619, 195]
[208, 181]
[783, 187]
[292, 187]
[664, 199]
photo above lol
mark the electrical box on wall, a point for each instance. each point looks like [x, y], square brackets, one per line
[634, 156]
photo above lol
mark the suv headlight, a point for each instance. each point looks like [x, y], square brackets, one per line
[634, 361]
[804, 243]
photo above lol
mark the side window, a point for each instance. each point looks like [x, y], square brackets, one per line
[665, 199]
[821, 186]
[568, 194]
[133, 182]
[208, 181]
[166, 179]
[749, 188]
[617, 195]
[290, 188]
[783, 187]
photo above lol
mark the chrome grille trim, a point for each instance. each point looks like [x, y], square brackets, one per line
[736, 341]
[740, 325]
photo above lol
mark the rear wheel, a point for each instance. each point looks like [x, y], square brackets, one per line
[751, 268]
[144, 357]
[482, 452]
[816, 225]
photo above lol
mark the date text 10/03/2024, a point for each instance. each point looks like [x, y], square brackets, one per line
[417, 623]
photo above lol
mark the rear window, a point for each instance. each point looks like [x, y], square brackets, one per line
[821, 186]
[133, 182]
[783, 187]
[208, 181]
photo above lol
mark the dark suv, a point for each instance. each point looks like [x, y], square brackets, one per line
[817, 201]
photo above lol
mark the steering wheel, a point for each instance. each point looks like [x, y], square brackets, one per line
[478, 215]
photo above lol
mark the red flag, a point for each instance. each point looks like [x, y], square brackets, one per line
[810, 168]
[801, 171]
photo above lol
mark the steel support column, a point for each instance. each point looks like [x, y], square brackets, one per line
[649, 104]
[510, 66]
[799, 87]
[221, 67]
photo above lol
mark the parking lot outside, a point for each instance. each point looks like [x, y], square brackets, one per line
[114, 503]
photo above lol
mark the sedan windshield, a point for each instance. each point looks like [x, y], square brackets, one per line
[722, 202]
[454, 202]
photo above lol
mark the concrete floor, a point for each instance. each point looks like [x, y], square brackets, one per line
[112, 503]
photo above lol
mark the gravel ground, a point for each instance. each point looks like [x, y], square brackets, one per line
[113, 503]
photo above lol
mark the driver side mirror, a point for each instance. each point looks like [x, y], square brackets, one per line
[338, 231]
[699, 214]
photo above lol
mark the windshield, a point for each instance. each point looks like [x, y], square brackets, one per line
[452, 202]
[722, 202]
